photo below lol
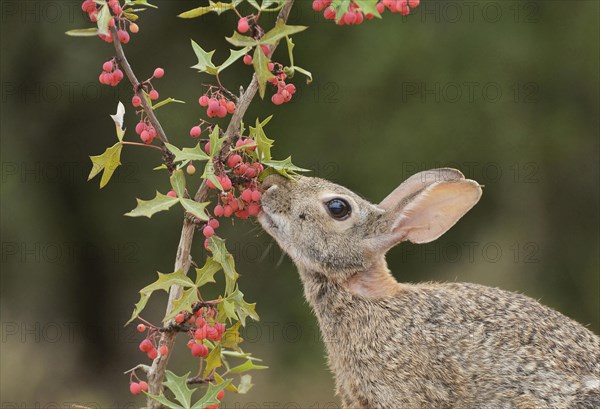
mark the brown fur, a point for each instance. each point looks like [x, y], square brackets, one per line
[433, 345]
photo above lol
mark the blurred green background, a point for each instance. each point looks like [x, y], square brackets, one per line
[506, 91]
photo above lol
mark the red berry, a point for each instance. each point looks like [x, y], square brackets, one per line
[208, 231]
[380, 7]
[123, 36]
[200, 333]
[206, 245]
[256, 196]
[243, 25]
[88, 6]
[349, 17]
[146, 345]
[246, 195]
[233, 160]
[200, 322]
[140, 127]
[227, 211]
[329, 14]
[153, 95]
[230, 106]
[218, 212]
[199, 350]
[171, 193]
[225, 182]
[271, 66]
[159, 73]
[222, 112]
[265, 48]
[242, 214]
[247, 59]
[277, 99]
[179, 318]
[141, 328]
[414, 3]
[211, 333]
[221, 394]
[135, 388]
[153, 353]
[214, 223]
[144, 386]
[203, 101]
[108, 66]
[318, 5]
[291, 88]
[207, 148]
[191, 343]
[136, 101]
[220, 327]
[145, 137]
[253, 209]
[195, 132]
[164, 350]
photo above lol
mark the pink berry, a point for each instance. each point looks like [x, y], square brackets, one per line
[291, 88]
[179, 318]
[200, 333]
[253, 209]
[200, 322]
[222, 111]
[349, 17]
[203, 101]
[163, 350]
[152, 354]
[135, 388]
[225, 182]
[277, 99]
[227, 211]
[414, 3]
[159, 73]
[136, 101]
[256, 196]
[246, 195]
[221, 394]
[329, 14]
[271, 66]
[265, 48]
[218, 212]
[208, 231]
[153, 95]
[318, 5]
[207, 148]
[243, 25]
[199, 350]
[233, 160]
[220, 327]
[134, 28]
[247, 59]
[171, 193]
[140, 127]
[146, 345]
[108, 66]
[230, 106]
[144, 386]
[214, 223]
[195, 132]
[123, 36]
[146, 137]
[141, 328]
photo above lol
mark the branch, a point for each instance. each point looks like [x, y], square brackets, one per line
[182, 262]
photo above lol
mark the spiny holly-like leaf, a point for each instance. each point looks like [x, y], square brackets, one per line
[368, 7]
[178, 182]
[103, 19]
[231, 337]
[245, 384]
[118, 119]
[164, 282]
[207, 273]
[165, 102]
[195, 208]
[227, 310]
[215, 142]
[183, 303]
[217, 7]
[83, 32]
[149, 207]
[181, 391]
[285, 167]
[246, 366]
[205, 63]
[261, 68]
[231, 387]
[234, 55]
[225, 259]
[210, 397]
[242, 308]
[209, 174]
[279, 31]
[213, 360]
[195, 153]
[290, 71]
[107, 162]
[263, 144]
[241, 40]
[162, 399]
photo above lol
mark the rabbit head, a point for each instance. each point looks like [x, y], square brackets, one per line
[328, 229]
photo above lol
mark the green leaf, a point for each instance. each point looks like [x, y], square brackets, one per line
[245, 367]
[213, 360]
[209, 174]
[240, 40]
[181, 391]
[242, 308]
[263, 144]
[245, 384]
[107, 162]
[195, 153]
[368, 7]
[227, 309]
[83, 32]
[229, 387]
[140, 3]
[205, 63]
[225, 259]
[183, 303]
[118, 119]
[279, 31]
[210, 397]
[285, 167]
[103, 19]
[231, 337]
[165, 102]
[195, 208]
[261, 68]
[149, 207]
[215, 142]
[207, 273]
[302, 71]
[234, 55]
[162, 399]
[217, 7]
[164, 282]
[290, 71]
[178, 182]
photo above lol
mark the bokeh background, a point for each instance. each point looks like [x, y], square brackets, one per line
[506, 91]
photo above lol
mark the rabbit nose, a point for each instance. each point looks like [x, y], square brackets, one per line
[273, 180]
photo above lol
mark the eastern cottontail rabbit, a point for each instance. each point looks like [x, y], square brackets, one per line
[433, 345]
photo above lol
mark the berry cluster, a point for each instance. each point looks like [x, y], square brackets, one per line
[284, 91]
[111, 73]
[144, 128]
[203, 325]
[92, 8]
[148, 344]
[137, 387]
[216, 104]
[354, 15]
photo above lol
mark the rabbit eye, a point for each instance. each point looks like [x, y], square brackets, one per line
[338, 208]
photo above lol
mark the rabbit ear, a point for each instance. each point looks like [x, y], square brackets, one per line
[426, 214]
